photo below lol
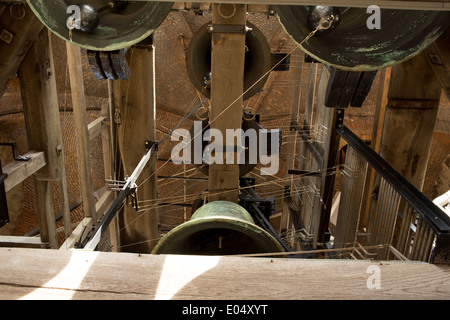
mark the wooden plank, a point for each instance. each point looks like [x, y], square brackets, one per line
[41, 108]
[410, 118]
[354, 177]
[42, 119]
[227, 88]
[21, 242]
[109, 154]
[18, 171]
[437, 5]
[79, 107]
[95, 128]
[386, 4]
[377, 133]
[136, 101]
[48, 274]
[24, 34]
[46, 212]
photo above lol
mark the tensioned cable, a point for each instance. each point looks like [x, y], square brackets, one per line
[320, 27]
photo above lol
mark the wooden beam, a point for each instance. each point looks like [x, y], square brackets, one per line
[50, 274]
[227, 88]
[377, 132]
[437, 5]
[22, 35]
[42, 119]
[18, 171]
[79, 109]
[354, 177]
[109, 158]
[439, 58]
[411, 113]
[22, 242]
[136, 100]
[41, 107]
[95, 128]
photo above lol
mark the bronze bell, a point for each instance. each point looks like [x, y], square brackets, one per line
[351, 45]
[112, 27]
[258, 60]
[218, 228]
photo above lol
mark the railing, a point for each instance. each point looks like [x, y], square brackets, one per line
[403, 222]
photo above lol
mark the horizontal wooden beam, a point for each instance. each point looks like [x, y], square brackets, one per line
[18, 171]
[22, 242]
[56, 274]
[385, 4]
[95, 128]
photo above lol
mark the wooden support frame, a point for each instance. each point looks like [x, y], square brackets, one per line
[22, 242]
[42, 119]
[227, 88]
[22, 34]
[18, 171]
[134, 100]
[79, 107]
[439, 57]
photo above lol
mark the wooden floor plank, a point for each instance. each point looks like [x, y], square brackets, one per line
[52, 274]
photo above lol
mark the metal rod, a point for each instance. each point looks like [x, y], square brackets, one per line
[99, 231]
[434, 216]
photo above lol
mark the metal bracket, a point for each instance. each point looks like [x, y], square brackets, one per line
[150, 144]
[340, 119]
[7, 36]
[130, 186]
[227, 28]
[15, 151]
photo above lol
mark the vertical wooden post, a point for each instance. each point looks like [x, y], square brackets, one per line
[375, 144]
[326, 145]
[409, 122]
[227, 85]
[109, 155]
[414, 97]
[136, 99]
[81, 125]
[41, 111]
[354, 176]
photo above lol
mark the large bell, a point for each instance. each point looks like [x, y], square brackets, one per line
[351, 45]
[218, 228]
[105, 25]
[258, 60]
